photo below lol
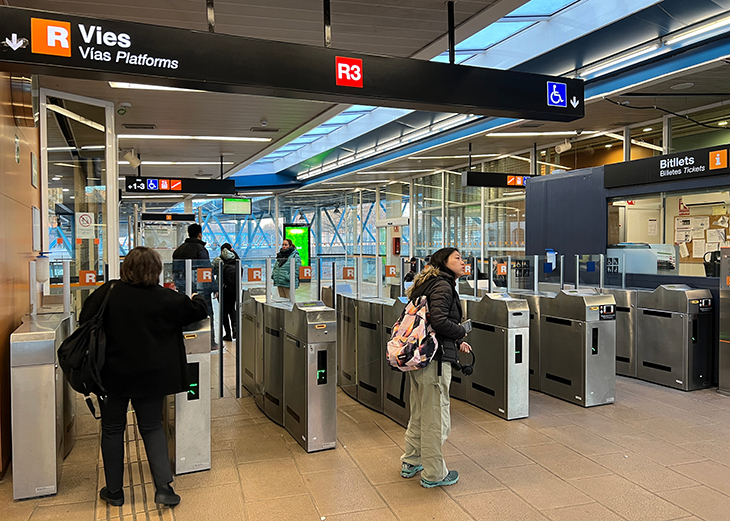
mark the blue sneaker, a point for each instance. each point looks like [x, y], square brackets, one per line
[408, 470]
[451, 478]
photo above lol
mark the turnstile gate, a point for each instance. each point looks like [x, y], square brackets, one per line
[396, 387]
[578, 347]
[187, 415]
[371, 351]
[347, 343]
[252, 337]
[272, 397]
[675, 337]
[459, 381]
[626, 317]
[310, 387]
[533, 302]
[500, 338]
[37, 389]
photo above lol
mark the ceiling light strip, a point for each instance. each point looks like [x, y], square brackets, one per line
[195, 138]
[76, 117]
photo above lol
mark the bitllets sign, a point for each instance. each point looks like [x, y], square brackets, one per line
[41, 42]
[704, 162]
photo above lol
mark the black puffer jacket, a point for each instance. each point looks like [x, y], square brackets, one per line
[444, 309]
[191, 249]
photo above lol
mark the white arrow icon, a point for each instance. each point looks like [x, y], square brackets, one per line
[14, 43]
[575, 102]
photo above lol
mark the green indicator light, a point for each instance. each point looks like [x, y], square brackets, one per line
[320, 373]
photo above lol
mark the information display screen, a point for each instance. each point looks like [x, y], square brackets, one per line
[236, 206]
[300, 237]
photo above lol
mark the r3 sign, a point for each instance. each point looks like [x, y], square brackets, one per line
[348, 72]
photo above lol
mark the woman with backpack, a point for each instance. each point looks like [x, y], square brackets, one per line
[430, 421]
[281, 271]
[145, 361]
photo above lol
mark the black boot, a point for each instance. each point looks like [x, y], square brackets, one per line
[164, 495]
[115, 499]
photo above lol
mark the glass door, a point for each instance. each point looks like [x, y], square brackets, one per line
[80, 196]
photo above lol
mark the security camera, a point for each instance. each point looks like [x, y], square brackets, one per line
[579, 132]
[563, 147]
[132, 158]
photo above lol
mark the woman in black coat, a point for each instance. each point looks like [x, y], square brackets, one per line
[430, 421]
[145, 361]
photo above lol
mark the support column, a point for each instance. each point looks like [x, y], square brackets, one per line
[666, 135]
[627, 143]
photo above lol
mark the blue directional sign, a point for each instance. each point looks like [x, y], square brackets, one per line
[151, 184]
[557, 94]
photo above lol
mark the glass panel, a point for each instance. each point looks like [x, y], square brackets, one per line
[589, 270]
[428, 201]
[541, 7]
[492, 34]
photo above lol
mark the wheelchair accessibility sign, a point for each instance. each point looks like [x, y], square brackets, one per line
[557, 94]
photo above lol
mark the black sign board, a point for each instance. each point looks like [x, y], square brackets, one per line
[493, 180]
[42, 42]
[157, 217]
[179, 185]
[704, 162]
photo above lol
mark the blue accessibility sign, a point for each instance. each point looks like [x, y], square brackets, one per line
[151, 184]
[557, 94]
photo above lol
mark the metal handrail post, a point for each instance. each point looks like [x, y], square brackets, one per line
[490, 269]
[509, 273]
[476, 278]
[269, 285]
[577, 271]
[292, 281]
[379, 276]
[189, 277]
[535, 280]
[239, 328]
[562, 278]
[601, 280]
[220, 327]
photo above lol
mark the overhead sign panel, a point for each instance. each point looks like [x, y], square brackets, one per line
[704, 162]
[51, 43]
[160, 185]
[493, 180]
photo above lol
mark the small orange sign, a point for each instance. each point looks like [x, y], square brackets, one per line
[502, 268]
[305, 273]
[87, 278]
[254, 274]
[467, 269]
[348, 273]
[50, 37]
[718, 159]
[390, 271]
[205, 275]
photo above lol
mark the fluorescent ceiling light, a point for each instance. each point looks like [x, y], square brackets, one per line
[70, 149]
[386, 172]
[144, 86]
[473, 156]
[76, 117]
[605, 64]
[196, 138]
[65, 189]
[65, 164]
[179, 163]
[537, 134]
[356, 182]
[722, 22]
[619, 137]
[722, 123]
[647, 129]
[55, 178]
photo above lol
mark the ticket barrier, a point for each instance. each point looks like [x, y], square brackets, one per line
[252, 336]
[38, 392]
[626, 327]
[187, 416]
[272, 398]
[347, 343]
[675, 337]
[500, 383]
[396, 387]
[310, 387]
[533, 302]
[371, 351]
[578, 347]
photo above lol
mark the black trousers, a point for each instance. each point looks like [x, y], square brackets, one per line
[228, 315]
[149, 422]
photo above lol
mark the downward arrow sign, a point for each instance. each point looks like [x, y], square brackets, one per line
[575, 102]
[14, 43]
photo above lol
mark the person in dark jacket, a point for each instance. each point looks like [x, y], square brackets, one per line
[145, 361]
[430, 421]
[193, 248]
[413, 271]
[227, 270]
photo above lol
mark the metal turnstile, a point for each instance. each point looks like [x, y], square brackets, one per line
[396, 387]
[626, 317]
[187, 415]
[724, 347]
[533, 302]
[252, 337]
[674, 339]
[273, 369]
[310, 387]
[347, 343]
[459, 381]
[578, 347]
[37, 389]
[370, 351]
[500, 337]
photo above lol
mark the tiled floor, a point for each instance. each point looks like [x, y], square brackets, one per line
[655, 455]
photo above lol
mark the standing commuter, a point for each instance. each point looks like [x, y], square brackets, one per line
[145, 361]
[430, 422]
[413, 271]
[281, 271]
[227, 270]
[193, 248]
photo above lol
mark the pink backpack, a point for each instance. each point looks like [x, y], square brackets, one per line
[413, 343]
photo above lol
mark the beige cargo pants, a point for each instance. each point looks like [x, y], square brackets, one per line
[430, 422]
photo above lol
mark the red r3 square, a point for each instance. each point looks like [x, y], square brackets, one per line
[348, 72]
